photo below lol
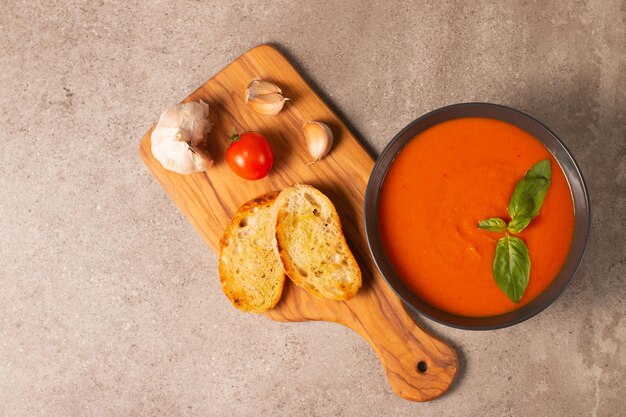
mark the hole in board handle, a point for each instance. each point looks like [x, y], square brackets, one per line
[422, 367]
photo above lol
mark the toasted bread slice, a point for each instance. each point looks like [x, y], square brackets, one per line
[311, 245]
[251, 274]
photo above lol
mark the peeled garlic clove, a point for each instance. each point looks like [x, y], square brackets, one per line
[174, 139]
[319, 139]
[267, 104]
[264, 97]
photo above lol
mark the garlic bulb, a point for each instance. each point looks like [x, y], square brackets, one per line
[319, 139]
[264, 98]
[175, 139]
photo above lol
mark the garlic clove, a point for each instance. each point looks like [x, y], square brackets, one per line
[267, 104]
[264, 97]
[259, 87]
[319, 139]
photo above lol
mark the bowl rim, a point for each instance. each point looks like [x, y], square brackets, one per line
[578, 190]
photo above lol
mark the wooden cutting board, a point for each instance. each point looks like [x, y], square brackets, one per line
[210, 199]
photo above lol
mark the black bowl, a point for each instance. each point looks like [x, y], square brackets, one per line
[576, 183]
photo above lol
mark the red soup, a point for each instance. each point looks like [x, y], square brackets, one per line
[440, 185]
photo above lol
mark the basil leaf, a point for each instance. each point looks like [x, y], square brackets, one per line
[540, 170]
[528, 195]
[518, 224]
[493, 224]
[511, 267]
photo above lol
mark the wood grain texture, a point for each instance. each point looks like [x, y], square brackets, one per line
[209, 200]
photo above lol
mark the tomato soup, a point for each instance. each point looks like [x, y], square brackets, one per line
[440, 185]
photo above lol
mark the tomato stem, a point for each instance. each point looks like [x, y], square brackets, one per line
[234, 137]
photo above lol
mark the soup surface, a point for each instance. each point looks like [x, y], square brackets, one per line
[440, 185]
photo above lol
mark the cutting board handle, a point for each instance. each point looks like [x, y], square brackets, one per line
[419, 366]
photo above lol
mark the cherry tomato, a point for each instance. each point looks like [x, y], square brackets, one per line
[249, 155]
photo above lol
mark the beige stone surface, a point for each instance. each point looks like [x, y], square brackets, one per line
[109, 301]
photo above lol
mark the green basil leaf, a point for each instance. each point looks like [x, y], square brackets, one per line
[493, 224]
[518, 224]
[529, 194]
[540, 170]
[511, 267]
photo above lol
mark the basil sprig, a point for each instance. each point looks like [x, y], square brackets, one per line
[511, 264]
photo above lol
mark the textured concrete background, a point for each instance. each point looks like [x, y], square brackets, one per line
[109, 301]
